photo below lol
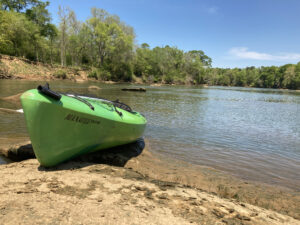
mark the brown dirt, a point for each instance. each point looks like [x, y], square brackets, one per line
[21, 68]
[12, 67]
[128, 186]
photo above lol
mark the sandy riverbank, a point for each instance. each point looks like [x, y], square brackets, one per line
[131, 185]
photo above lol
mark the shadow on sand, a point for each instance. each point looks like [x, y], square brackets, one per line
[117, 156]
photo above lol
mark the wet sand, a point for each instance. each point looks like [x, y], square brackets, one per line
[132, 185]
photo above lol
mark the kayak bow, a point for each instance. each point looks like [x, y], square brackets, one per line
[62, 127]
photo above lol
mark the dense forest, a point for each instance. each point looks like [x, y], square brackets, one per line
[107, 47]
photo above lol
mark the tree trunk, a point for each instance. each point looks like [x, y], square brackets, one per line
[63, 45]
[62, 52]
[51, 61]
[36, 54]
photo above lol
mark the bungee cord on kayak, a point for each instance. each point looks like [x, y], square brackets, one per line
[57, 96]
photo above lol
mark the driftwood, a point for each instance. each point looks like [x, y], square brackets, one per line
[134, 89]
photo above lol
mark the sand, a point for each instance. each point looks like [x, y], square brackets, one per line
[126, 185]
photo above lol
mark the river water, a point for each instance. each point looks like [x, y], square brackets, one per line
[247, 132]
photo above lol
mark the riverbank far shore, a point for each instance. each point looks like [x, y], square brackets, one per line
[12, 67]
[122, 187]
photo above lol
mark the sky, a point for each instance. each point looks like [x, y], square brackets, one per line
[234, 33]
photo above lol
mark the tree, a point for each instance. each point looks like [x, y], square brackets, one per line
[267, 76]
[142, 66]
[63, 26]
[16, 34]
[75, 42]
[193, 66]
[40, 16]
[52, 35]
[113, 44]
[289, 74]
[18, 5]
[203, 58]
[251, 76]
[145, 45]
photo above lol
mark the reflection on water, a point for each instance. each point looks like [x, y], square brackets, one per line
[251, 133]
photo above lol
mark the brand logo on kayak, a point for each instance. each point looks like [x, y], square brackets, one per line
[82, 120]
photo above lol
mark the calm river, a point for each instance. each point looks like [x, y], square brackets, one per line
[247, 132]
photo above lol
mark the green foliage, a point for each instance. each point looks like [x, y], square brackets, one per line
[93, 74]
[198, 54]
[61, 74]
[41, 17]
[111, 45]
[18, 5]
[104, 75]
[107, 45]
[170, 65]
[100, 74]
[286, 76]
[17, 34]
[26, 34]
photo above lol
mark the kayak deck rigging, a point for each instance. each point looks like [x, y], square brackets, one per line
[57, 96]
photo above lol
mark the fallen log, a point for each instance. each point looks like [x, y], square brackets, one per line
[134, 89]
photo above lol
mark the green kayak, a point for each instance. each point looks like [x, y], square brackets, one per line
[64, 126]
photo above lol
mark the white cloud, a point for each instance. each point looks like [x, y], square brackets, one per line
[244, 53]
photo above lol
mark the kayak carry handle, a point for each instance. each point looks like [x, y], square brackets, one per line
[46, 90]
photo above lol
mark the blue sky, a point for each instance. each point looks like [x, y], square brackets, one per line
[234, 33]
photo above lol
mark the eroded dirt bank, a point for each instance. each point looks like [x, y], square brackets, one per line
[20, 68]
[131, 185]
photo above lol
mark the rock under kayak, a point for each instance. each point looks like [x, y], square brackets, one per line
[64, 126]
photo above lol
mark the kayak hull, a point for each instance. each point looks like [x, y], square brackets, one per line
[61, 130]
